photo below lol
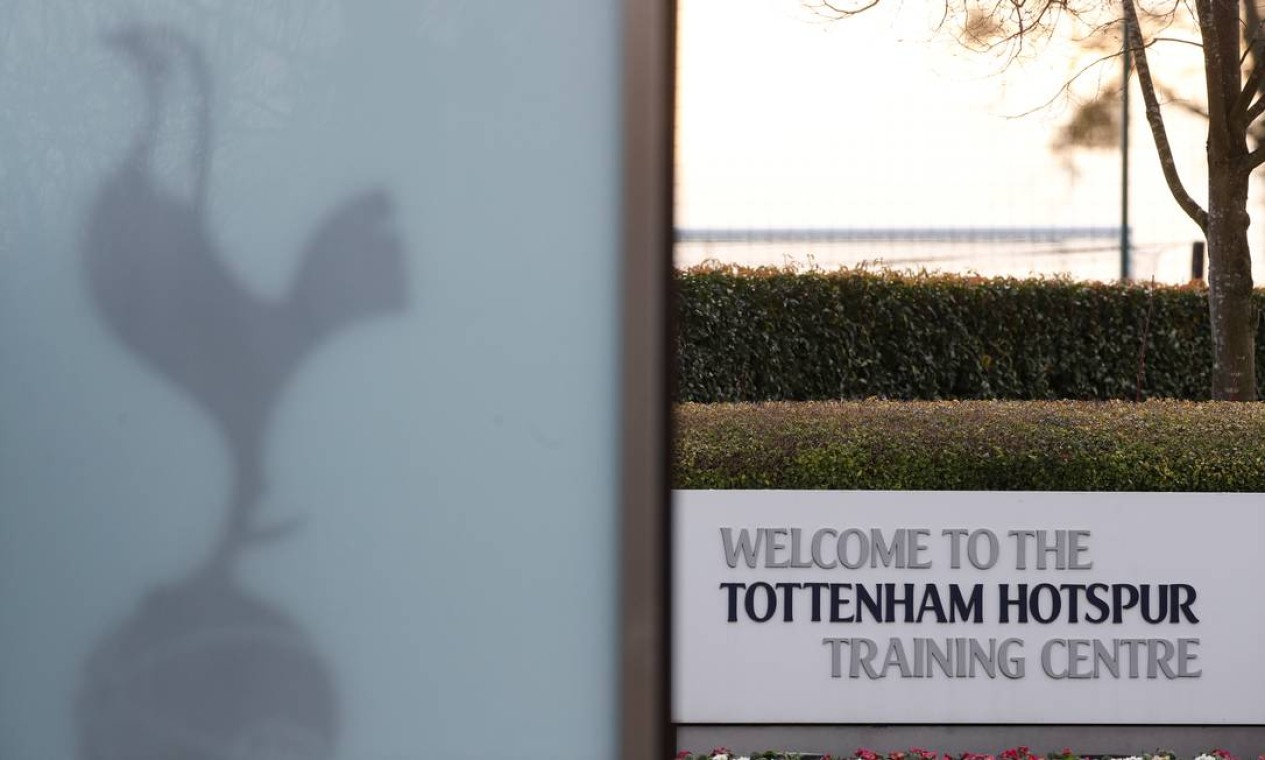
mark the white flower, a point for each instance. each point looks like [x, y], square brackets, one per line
[726, 757]
[1206, 756]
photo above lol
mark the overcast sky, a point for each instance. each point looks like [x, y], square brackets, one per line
[880, 120]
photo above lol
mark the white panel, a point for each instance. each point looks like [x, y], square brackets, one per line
[1199, 550]
[347, 266]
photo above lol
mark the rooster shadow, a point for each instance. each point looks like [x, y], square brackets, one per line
[201, 668]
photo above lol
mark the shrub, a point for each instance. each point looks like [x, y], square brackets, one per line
[972, 445]
[770, 334]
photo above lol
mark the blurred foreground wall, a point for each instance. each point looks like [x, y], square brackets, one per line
[308, 337]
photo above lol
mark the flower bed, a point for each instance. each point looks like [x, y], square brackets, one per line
[1015, 753]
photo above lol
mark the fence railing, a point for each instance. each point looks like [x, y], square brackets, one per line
[896, 234]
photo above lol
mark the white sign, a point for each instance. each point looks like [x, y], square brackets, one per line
[968, 607]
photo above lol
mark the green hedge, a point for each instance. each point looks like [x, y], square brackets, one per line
[973, 445]
[757, 335]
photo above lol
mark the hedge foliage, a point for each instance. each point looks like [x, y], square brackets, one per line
[770, 334]
[973, 445]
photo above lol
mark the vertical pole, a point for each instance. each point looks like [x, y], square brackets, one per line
[1197, 260]
[1124, 156]
[647, 390]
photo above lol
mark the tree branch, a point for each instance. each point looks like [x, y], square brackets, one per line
[1254, 159]
[1177, 40]
[1252, 28]
[1253, 50]
[830, 8]
[1254, 53]
[1155, 118]
[1171, 98]
[1250, 88]
[1254, 112]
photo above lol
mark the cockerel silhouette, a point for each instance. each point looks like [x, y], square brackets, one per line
[203, 669]
[157, 279]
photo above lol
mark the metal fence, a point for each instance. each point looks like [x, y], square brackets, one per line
[1079, 252]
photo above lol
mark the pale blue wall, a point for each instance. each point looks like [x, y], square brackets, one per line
[453, 463]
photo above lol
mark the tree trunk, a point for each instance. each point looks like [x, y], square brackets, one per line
[1230, 284]
[1229, 173]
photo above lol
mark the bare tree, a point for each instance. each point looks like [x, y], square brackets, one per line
[1232, 45]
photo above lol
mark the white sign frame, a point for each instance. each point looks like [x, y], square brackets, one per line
[780, 672]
